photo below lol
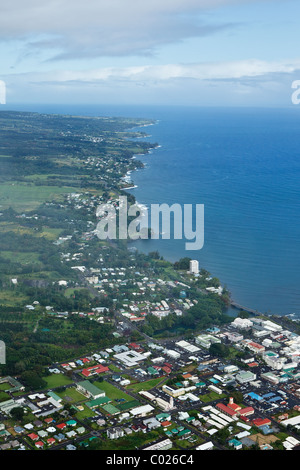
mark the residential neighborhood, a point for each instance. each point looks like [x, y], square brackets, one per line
[166, 395]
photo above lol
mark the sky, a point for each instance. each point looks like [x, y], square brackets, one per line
[170, 52]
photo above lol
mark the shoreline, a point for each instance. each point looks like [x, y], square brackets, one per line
[233, 304]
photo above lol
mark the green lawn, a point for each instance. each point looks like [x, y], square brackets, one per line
[147, 385]
[10, 298]
[71, 395]
[86, 413]
[26, 197]
[57, 380]
[4, 396]
[19, 257]
[5, 386]
[112, 392]
[211, 397]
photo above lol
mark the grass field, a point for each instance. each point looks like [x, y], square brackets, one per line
[5, 386]
[19, 257]
[147, 385]
[70, 395]
[26, 197]
[57, 380]
[112, 392]
[10, 298]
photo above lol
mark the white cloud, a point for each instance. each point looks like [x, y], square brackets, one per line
[242, 82]
[106, 27]
[153, 73]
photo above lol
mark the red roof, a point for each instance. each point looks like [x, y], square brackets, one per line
[234, 406]
[261, 422]
[256, 345]
[166, 424]
[226, 409]
[244, 418]
[61, 426]
[246, 411]
[33, 436]
[94, 370]
[39, 444]
[48, 420]
[51, 440]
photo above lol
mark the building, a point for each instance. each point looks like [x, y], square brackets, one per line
[141, 411]
[115, 433]
[89, 390]
[245, 377]
[194, 266]
[173, 392]
[206, 340]
[242, 323]
[235, 444]
[162, 445]
[255, 347]
[206, 446]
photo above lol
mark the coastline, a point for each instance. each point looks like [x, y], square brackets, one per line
[234, 306]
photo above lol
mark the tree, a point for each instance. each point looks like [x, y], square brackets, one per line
[219, 349]
[17, 413]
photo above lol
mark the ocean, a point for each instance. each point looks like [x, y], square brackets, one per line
[243, 165]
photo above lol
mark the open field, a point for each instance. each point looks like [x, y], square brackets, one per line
[27, 197]
[57, 380]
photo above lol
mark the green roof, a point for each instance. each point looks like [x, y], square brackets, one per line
[97, 402]
[111, 409]
[162, 416]
[127, 405]
[53, 395]
[89, 387]
[182, 433]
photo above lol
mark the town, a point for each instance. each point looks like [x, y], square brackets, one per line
[107, 348]
[158, 395]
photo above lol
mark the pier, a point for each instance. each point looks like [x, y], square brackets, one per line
[246, 309]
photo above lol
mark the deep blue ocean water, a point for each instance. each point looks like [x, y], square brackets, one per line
[243, 164]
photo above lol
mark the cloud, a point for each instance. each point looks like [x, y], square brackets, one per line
[227, 82]
[240, 69]
[78, 29]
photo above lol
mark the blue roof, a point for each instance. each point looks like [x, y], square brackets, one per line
[274, 399]
[266, 429]
[255, 396]
[267, 395]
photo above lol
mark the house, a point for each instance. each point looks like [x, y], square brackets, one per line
[94, 370]
[61, 426]
[71, 422]
[80, 430]
[235, 444]
[39, 444]
[89, 390]
[70, 447]
[115, 433]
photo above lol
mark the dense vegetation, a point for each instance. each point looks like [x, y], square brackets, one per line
[54, 171]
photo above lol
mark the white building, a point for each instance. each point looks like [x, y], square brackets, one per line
[242, 323]
[194, 266]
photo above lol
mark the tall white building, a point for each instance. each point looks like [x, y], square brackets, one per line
[194, 266]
